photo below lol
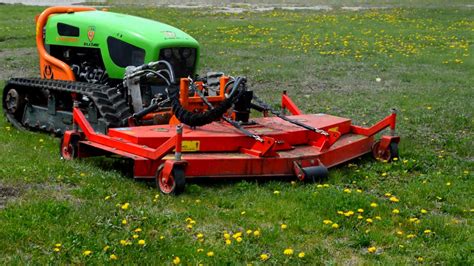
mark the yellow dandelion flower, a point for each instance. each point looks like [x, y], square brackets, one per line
[410, 236]
[319, 186]
[394, 199]
[327, 222]
[326, 185]
[228, 242]
[369, 220]
[360, 217]
[283, 226]
[210, 254]
[106, 248]
[57, 249]
[125, 206]
[226, 236]
[176, 260]
[189, 219]
[448, 184]
[141, 242]
[248, 232]
[198, 201]
[113, 257]
[360, 210]
[107, 198]
[236, 235]
[374, 205]
[189, 226]
[276, 192]
[388, 194]
[137, 230]
[371, 249]
[135, 236]
[199, 250]
[423, 211]
[122, 242]
[86, 252]
[238, 239]
[347, 190]
[359, 190]
[301, 255]
[288, 251]
[335, 225]
[378, 218]
[124, 221]
[162, 237]
[384, 174]
[264, 257]
[58, 245]
[200, 235]
[400, 233]
[256, 233]
[427, 231]
[420, 259]
[395, 211]
[243, 213]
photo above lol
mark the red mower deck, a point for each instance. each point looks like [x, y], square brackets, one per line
[219, 150]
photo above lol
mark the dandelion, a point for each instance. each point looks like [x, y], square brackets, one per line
[388, 194]
[135, 236]
[141, 242]
[369, 220]
[137, 230]
[86, 252]
[284, 226]
[124, 221]
[378, 218]
[264, 257]
[359, 190]
[423, 211]
[394, 199]
[107, 198]
[384, 174]
[327, 222]
[199, 235]
[248, 232]
[237, 235]
[276, 192]
[301, 255]
[374, 205]
[162, 237]
[349, 213]
[210, 254]
[410, 236]
[189, 226]
[427, 231]
[288, 251]
[347, 190]
[400, 233]
[395, 211]
[340, 212]
[420, 259]
[242, 213]
[226, 236]
[228, 242]
[176, 261]
[198, 201]
[106, 248]
[199, 250]
[125, 206]
[335, 225]
[256, 233]
[123, 242]
[57, 249]
[113, 257]
[448, 184]
[239, 239]
[371, 249]
[58, 245]
[360, 217]
[360, 210]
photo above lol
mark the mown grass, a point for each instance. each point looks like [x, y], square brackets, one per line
[329, 62]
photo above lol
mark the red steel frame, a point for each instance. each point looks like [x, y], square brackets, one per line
[225, 152]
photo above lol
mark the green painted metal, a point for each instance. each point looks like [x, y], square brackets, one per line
[96, 26]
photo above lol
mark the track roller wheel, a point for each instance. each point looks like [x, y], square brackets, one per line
[70, 151]
[13, 105]
[315, 174]
[175, 183]
[385, 154]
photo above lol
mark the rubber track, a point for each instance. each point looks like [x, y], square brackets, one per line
[112, 109]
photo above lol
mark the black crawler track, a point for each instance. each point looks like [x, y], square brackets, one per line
[112, 108]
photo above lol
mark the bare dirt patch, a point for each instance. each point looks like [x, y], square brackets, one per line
[7, 193]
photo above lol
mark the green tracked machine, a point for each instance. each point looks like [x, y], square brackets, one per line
[112, 65]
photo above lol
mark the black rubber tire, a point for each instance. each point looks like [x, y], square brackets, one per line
[315, 174]
[72, 151]
[176, 182]
[388, 154]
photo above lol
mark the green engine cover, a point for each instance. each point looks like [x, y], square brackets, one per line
[118, 34]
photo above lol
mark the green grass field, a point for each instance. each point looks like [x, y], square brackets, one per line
[418, 209]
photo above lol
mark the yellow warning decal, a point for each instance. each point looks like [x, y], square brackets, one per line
[190, 145]
[334, 129]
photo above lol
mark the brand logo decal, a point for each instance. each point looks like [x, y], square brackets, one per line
[91, 33]
[169, 34]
